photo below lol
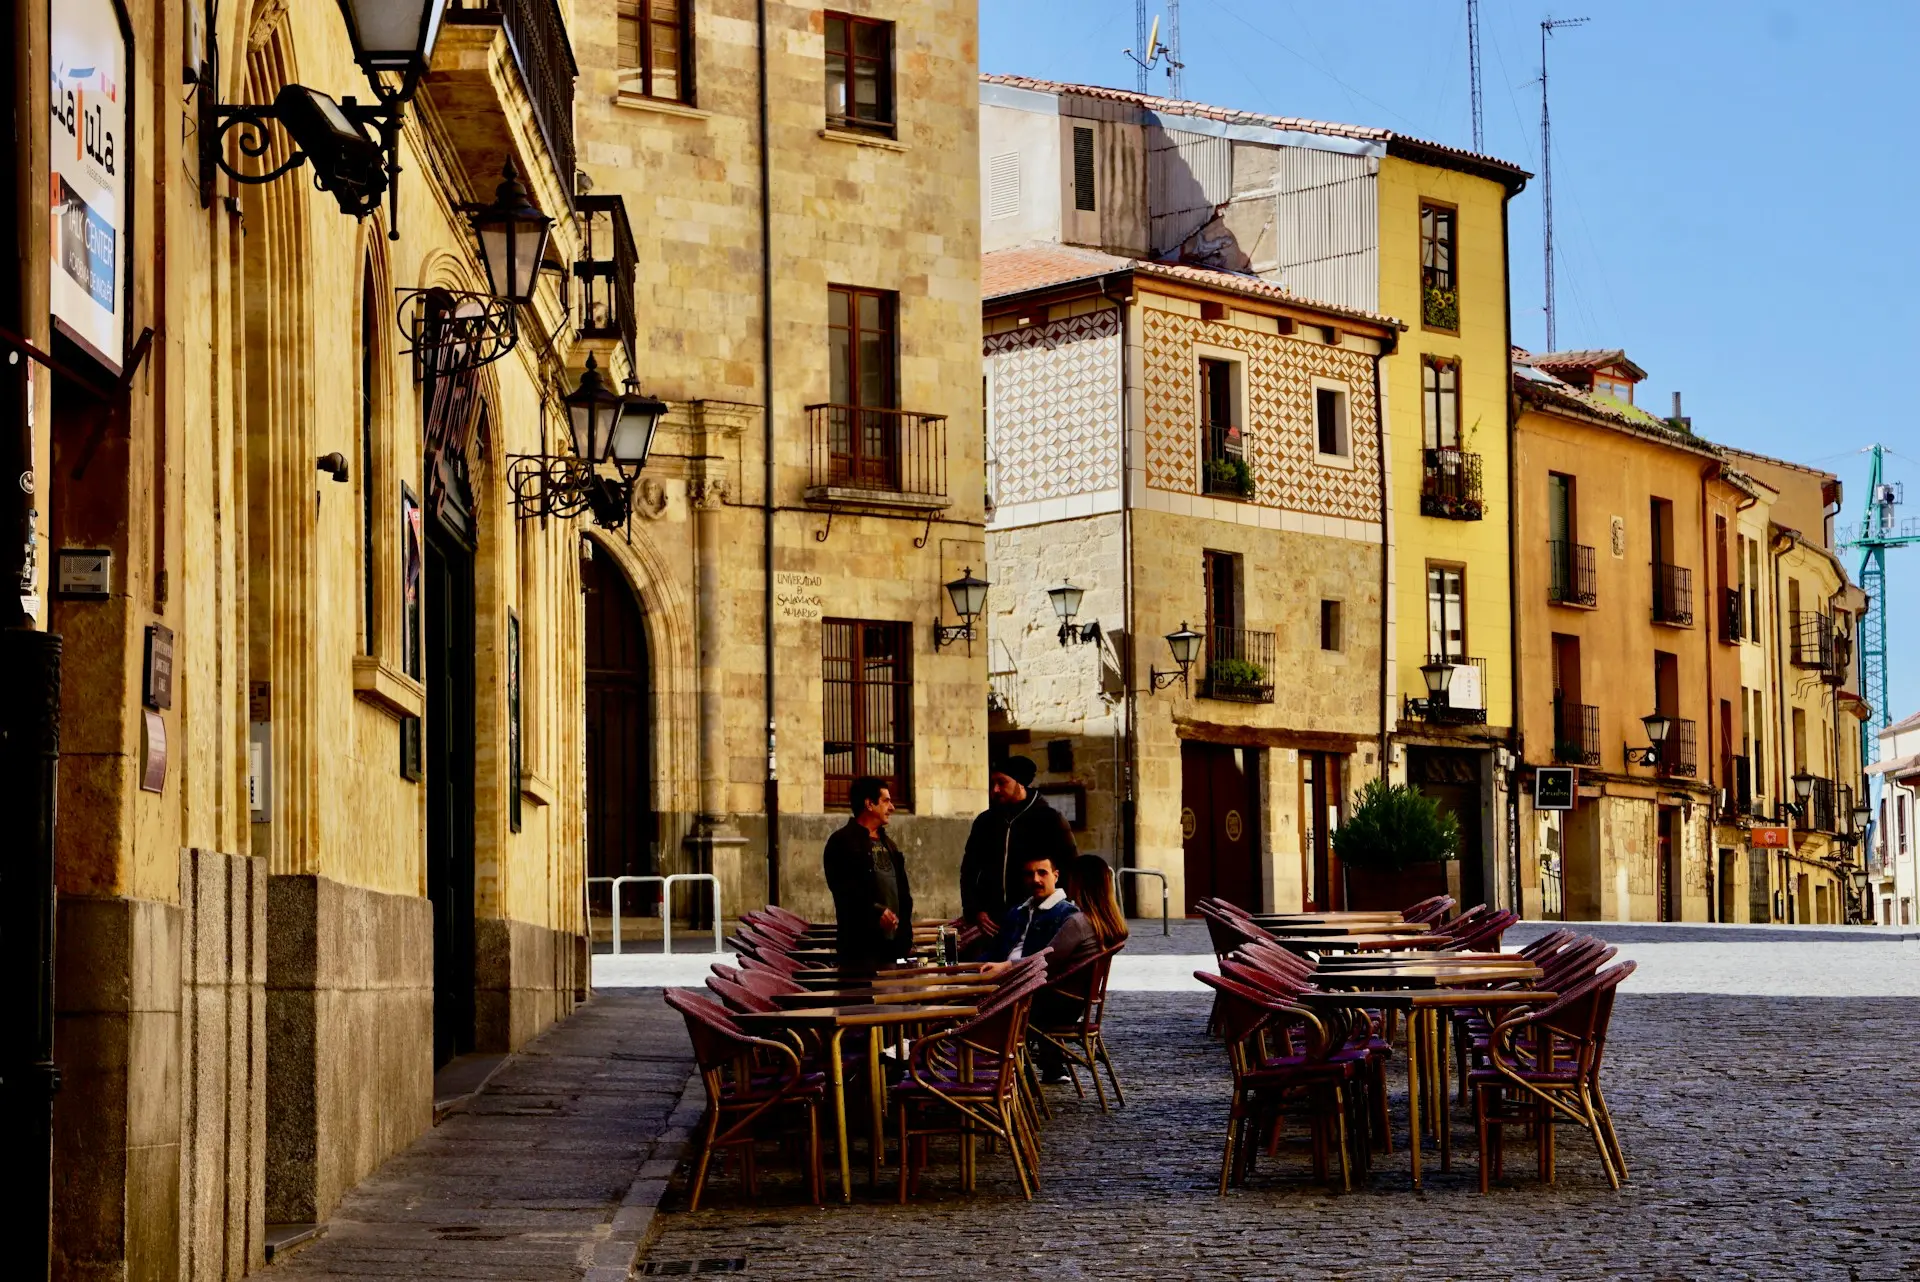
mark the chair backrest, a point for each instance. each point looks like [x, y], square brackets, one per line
[1228, 932]
[717, 1040]
[1463, 923]
[1573, 1026]
[765, 983]
[1484, 934]
[792, 919]
[1552, 941]
[1430, 910]
[1241, 1014]
[738, 997]
[1281, 988]
[1277, 962]
[726, 972]
[1578, 961]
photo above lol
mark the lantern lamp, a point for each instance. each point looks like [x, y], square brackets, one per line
[969, 597]
[513, 239]
[593, 409]
[393, 35]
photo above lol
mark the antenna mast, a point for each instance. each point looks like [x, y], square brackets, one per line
[1143, 41]
[1547, 28]
[1473, 73]
[1153, 49]
[1174, 65]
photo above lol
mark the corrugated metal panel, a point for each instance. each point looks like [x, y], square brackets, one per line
[1188, 177]
[1327, 228]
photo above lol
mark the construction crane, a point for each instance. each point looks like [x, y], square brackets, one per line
[1547, 28]
[1880, 529]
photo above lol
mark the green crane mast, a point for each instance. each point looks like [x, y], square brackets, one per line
[1880, 529]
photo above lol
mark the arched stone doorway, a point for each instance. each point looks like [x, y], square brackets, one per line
[622, 826]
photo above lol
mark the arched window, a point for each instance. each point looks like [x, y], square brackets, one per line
[369, 407]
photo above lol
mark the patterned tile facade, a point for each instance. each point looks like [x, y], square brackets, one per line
[1055, 408]
[1280, 403]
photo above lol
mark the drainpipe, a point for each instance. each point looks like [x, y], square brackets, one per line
[1386, 553]
[1515, 739]
[1123, 303]
[766, 447]
[1776, 548]
[1715, 602]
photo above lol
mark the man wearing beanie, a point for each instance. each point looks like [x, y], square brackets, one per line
[1016, 827]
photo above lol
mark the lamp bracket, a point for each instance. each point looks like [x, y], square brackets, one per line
[1161, 680]
[565, 485]
[1642, 756]
[1072, 633]
[944, 636]
[446, 343]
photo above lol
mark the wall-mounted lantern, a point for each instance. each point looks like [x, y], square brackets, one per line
[513, 239]
[1066, 604]
[353, 147]
[605, 426]
[969, 597]
[1658, 727]
[1185, 645]
[1438, 675]
[1803, 792]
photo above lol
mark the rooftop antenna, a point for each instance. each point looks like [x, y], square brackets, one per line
[1147, 38]
[1473, 73]
[1547, 28]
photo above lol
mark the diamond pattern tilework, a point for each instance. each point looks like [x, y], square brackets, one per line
[1056, 408]
[1280, 430]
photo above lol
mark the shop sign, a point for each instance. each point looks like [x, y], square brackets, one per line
[1553, 788]
[1769, 837]
[90, 95]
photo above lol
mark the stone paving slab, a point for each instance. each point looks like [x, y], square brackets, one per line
[551, 1172]
[1767, 1139]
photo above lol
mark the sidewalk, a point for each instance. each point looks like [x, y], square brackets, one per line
[552, 1170]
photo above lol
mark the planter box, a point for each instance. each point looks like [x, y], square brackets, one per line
[1370, 891]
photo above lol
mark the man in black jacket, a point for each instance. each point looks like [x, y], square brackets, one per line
[1018, 826]
[872, 902]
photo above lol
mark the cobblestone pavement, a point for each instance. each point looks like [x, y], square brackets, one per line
[1755, 1129]
[551, 1171]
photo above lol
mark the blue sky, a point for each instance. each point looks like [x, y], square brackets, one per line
[1734, 188]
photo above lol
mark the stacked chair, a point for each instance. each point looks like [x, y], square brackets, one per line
[1527, 1066]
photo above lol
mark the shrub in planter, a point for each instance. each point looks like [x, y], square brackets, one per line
[1230, 476]
[1236, 672]
[1397, 847]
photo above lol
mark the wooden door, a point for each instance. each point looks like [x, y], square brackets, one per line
[1323, 791]
[450, 792]
[1217, 824]
[621, 824]
[1669, 889]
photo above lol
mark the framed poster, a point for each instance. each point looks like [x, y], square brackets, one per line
[412, 566]
[513, 719]
[1070, 799]
[90, 161]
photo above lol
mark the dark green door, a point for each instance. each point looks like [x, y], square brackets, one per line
[449, 770]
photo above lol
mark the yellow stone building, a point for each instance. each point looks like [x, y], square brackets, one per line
[1192, 455]
[1360, 218]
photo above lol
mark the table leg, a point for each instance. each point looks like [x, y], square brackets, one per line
[1414, 1087]
[837, 1078]
[1443, 1113]
[877, 1119]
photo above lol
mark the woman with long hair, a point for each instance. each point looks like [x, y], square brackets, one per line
[1090, 887]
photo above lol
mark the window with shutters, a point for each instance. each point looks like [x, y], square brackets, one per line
[860, 77]
[1440, 297]
[1083, 193]
[656, 49]
[867, 707]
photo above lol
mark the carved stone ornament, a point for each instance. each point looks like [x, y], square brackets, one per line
[650, 499]
[707, 492]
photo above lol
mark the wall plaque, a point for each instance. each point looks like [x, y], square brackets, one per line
[159, 679]
[153, 773]
[798, 595]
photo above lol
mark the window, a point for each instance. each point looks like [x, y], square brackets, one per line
[1800, 763]
[1446, 612]
[656, 49]
[1440, 402]
[1223, 591]
[1900, 810]
[1440, 301]
[1225, 469]
[1083, 169]
[862, 432]
[859, 76]
[369, 329]
[1618, 388]
[1330, 625]
[1330, 421]
[867, 707]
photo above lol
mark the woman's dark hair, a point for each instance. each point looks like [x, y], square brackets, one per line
[1090, 886]
[864, 789]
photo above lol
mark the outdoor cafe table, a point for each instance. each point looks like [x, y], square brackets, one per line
[1352, 943]
[1423, 991]
[921, 976]
[833, 1022]
[1346, 928]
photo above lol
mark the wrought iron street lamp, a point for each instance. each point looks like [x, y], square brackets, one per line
[592, 410]
[1185, 645]
[969, 597]
[393, 35]
[1658, 726]
[1066, 604]
[604, 426]
[633, 433]
[1437, 673]
[513, 239]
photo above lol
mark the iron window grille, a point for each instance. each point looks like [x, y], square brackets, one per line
[867, 707]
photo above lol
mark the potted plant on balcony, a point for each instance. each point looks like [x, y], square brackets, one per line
[1236, 676]
[1397, 847]
[1230, 475]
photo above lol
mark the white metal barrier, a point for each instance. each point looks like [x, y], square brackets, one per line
[667, 884]
[1146, 872]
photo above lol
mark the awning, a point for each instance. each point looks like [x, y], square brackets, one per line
[1898, 767]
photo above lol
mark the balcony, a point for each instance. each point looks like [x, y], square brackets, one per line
[868, 456]
[1226, 473]
[1680, 754]
[1733, 616]
[537, 36]
[605, 272]
[1821, 815]
[1812, 633]
[1576, 733]
[1672, 595]
[1570, 573]
[1239, 666]
[1450, 486]
[1736, 774]
[1465, 699]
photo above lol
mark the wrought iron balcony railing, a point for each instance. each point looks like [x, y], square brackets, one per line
[1821, 814]
[605, 271]
[1226, 471]
[1673, 595]
[1450, 485]
[538, 36]
[1733, 615]
[1812, 639]
[1736, 774]
[1680, 754]
[1570, 574]
[1239, 665]
[867, 454]
[1576, 733]
[1465, 699]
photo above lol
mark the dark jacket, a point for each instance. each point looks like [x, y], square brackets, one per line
[1002, 836]
[1063, 927]
[849, 860]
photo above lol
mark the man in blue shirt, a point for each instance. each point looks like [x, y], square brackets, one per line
[1045, 919]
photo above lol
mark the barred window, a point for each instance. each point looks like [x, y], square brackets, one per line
[656, 48]
[868, 713]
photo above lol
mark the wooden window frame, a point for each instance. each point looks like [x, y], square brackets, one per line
[1343, 456]
[887, 122]
[1428, 273]
[1430, 400]
[638, 80]
[858, 741]
[1332, 626]
[1459, 568]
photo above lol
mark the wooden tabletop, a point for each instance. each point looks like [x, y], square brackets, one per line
[882, 997]
[1369, 928]
[1422, 975]
[1386, 957]
[850, 1016]
[1432, 997]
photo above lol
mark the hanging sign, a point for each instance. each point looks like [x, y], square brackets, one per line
[1553, 788]
[87, 136]
[1770, 837]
